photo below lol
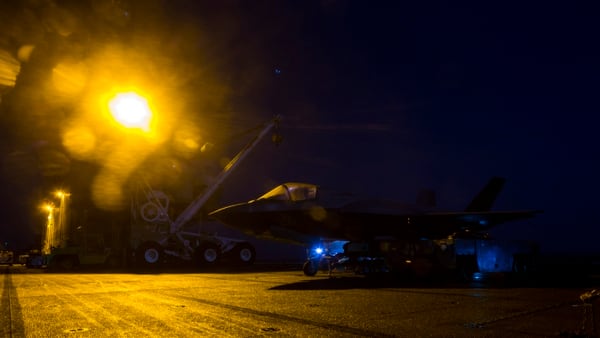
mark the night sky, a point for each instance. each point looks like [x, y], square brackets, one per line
[381, 99]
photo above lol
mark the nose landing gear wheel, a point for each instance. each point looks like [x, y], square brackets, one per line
[310, 268]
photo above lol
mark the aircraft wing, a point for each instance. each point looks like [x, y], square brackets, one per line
[443, 224]
[358, 224]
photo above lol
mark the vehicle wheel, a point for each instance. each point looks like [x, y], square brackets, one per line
[207, 253]
[310, 268]
[149, 254]
[244, 253]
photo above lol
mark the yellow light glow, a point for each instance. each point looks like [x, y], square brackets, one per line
[186, 141]
[61, 194]
[80, 142]
[318, 213]
[131, 110]
[69, 79]
[24, 52]
[9, 69]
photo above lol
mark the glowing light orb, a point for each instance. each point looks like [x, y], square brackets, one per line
[131, 110]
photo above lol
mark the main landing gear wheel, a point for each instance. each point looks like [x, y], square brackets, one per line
[149, 254]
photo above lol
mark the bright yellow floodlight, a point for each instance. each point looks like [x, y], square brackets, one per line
[131, 110]
[61, 194]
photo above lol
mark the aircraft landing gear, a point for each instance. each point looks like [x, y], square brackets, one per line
[310, 268]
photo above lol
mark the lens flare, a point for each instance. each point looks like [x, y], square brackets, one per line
[69, 79]
[80, 142]
[9, 69]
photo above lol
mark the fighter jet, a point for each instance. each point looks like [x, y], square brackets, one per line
[295, 211]
[304, 213]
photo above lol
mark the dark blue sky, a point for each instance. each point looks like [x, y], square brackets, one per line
[440, 95]
[387, 98]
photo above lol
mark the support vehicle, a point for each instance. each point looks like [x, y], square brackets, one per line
[6, 257]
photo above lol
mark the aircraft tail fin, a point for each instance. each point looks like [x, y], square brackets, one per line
[486, 197]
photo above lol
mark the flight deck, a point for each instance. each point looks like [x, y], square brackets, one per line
[282, 301]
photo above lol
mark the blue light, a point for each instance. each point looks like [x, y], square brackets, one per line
[318, 251]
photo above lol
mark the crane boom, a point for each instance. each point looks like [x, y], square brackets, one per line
[189, 212]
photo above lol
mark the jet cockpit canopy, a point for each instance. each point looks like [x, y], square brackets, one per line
[293, 192]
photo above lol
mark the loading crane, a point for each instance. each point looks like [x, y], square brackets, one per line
[155, 237]
[153, 246]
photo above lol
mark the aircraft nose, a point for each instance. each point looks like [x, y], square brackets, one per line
[230, 215]
[243, 217]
